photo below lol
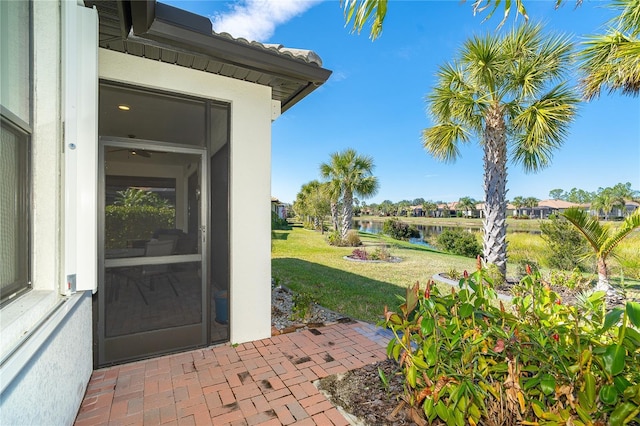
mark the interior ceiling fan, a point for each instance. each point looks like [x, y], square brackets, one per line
[139, 151]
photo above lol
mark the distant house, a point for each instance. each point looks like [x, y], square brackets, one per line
[617, 212]
[446, 210]
[101, 99]
[545, 208]
[479, 210]
[417, 211]
[279, 208]
[629, 208]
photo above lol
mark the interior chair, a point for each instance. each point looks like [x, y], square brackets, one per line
[152, 272]
[170, 237]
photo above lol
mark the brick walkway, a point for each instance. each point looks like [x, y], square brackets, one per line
[267, 382]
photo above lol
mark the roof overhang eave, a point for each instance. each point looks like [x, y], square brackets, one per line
[157, 22]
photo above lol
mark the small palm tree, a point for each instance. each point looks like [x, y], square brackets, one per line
[532, 203]
[349, 174]
[429, 208]
[601, 238]
[605, 200]
[503, 90]
[518, 202]
[466, 205]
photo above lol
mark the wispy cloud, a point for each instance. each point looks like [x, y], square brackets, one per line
[258, 19]
[338, 76]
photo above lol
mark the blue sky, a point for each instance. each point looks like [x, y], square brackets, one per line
[374, 101]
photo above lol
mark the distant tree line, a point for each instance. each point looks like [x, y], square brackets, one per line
[620, 191]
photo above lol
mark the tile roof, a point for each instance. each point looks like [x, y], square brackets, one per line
[157, 31]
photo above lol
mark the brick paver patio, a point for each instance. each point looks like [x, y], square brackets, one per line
[267, 382]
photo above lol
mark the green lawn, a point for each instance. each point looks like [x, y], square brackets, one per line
[304, 262]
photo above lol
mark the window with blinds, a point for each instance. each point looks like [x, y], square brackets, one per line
[15, 134]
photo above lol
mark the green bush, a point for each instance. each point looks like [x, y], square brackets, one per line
[467, 361]
[138, 222]
[381, 253]
[457, 241]
[277, 222]
[335, 239]
[567, 245]
[352, 239]
[573, 280]
[399, 230]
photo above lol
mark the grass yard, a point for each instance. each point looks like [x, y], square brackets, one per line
[304, 262]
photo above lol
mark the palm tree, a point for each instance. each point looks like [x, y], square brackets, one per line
[518, 202]
[532, 203]
[429, 208]
[312, 204]
[349, 174]
[503, 89]
[611, 60]
[605, 200]
[601, 238]
[466, 205]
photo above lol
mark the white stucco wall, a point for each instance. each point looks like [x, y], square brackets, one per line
[46, 339]
[50, 388]
[250, 169]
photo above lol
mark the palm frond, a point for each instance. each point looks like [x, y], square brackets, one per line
[610, 61]
[484, 62]
[364, 11]
[588, 226]
[629, 19]
[441, 141]
[543, 126]
[630, 223]
[538, 59]
[480, 6]
[454, 97]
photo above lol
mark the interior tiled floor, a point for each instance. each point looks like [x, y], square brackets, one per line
[267, 382]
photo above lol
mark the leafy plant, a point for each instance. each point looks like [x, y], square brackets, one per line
[467, 360]
[302, 306]
[572, 280]
[493, 272]
[334, 238]
[125, 223]
[523, 265]
[399, 230]
[277, 222]
[381, 253]
[360, 254]
[383, 379]
[565, 243]
[457, 241]
[454, 274]
[134, 197]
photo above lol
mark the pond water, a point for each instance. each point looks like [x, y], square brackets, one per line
[426, 231]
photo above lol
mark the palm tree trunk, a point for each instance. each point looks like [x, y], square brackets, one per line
[603, 276]
[495, 182]
[347, 214]
[334, 215]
